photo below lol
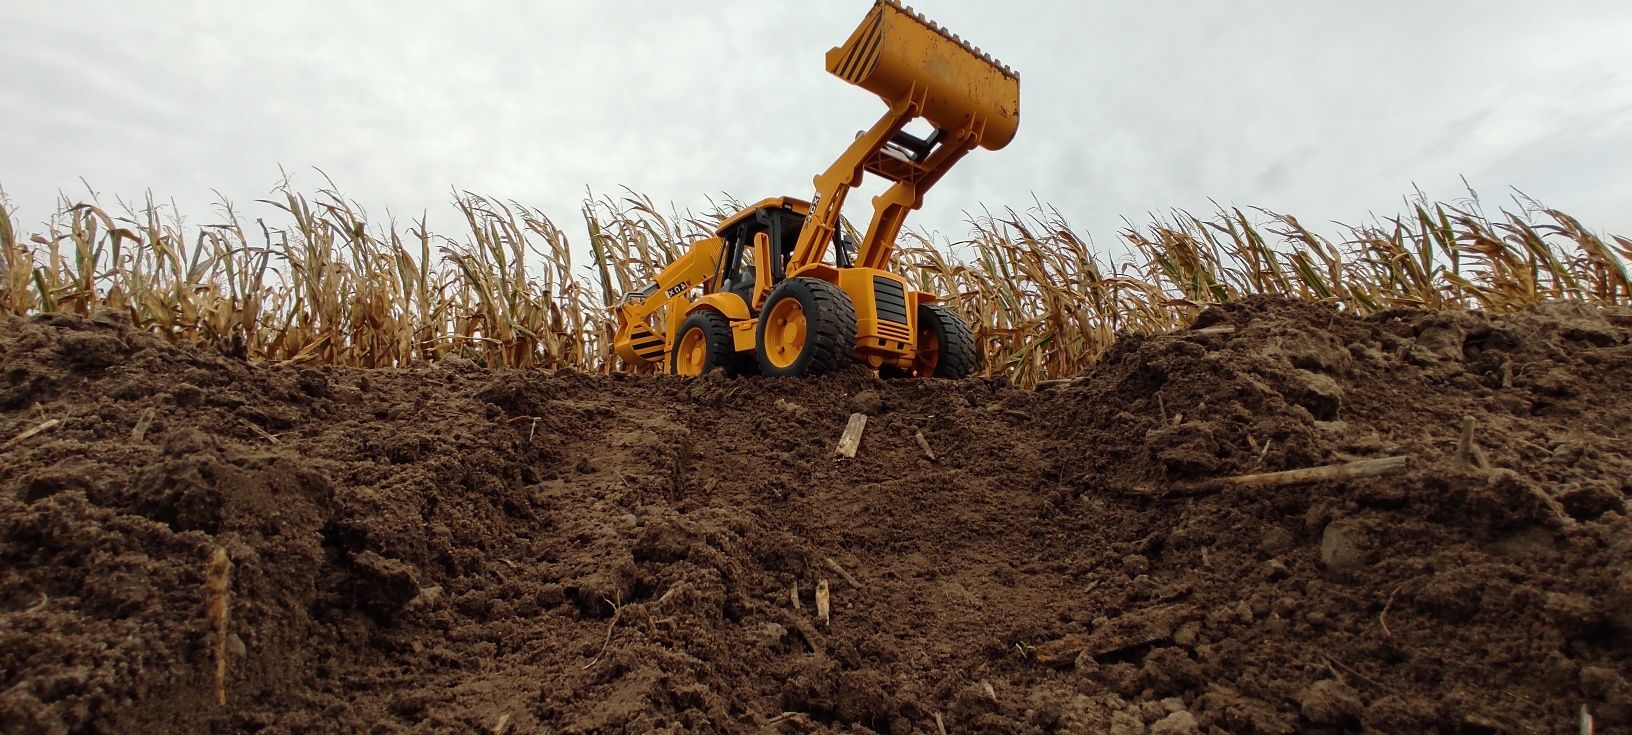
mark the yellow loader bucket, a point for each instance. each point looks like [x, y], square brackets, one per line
[896, 53]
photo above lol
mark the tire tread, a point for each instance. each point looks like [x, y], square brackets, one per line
[958, 357]
[830, 327]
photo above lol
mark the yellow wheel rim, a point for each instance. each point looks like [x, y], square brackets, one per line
[785, 332]
[929, 353]
[692, 354]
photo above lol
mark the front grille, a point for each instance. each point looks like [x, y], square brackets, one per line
[896, 332]
[891, 299]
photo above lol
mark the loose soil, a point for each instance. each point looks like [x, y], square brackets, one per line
[454, 549]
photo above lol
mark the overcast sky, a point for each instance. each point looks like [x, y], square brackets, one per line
[1328, 110]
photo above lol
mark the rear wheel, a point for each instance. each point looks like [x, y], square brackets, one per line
[808, 327]
[705, 343]
[946, 348]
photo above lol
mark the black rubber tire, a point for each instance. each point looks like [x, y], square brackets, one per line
[719, 350]
[830, 329]
[958, 359]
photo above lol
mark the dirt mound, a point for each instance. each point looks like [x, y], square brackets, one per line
[451, 548]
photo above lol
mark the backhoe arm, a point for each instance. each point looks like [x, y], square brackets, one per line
[636, 341]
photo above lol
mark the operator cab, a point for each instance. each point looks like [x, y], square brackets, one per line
[781, 219]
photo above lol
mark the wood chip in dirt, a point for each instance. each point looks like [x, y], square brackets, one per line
[42, 428]
[823, 602]
[140, 430]
[924, 445]
[850, 441]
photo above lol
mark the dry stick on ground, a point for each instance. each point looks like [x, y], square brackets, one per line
[924, 445]
[842, 573]
[531, 430]
[617, 612]
[793, 596]
[504, 721]
[850, 441]
[1346, 471]
[261, 432]
[675, 588]
[1334, 665]
[940, 725]
[42, 428]
[824, 607]
[787, 717]
[1382, 617]
[1467, 451]
[1588, 727]
[217, 575]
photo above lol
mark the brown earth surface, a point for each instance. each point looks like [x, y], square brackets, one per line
[453, 549]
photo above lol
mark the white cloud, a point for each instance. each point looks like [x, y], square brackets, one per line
[1328, 110]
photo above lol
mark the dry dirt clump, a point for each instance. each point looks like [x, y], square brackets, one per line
[453, 548]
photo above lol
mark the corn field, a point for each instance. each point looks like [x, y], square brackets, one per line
[324, 285]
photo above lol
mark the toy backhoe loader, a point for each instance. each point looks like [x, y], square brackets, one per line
[763, 295]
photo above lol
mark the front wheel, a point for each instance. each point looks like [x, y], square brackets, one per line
[704, 344]
[946, 348]
[808, 327]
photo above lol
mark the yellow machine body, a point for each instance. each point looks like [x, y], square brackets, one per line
[920, 71]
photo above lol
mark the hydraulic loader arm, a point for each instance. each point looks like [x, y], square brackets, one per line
[641, 346]
[920, 70]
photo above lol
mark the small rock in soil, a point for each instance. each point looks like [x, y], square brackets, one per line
[1316, 392]
[868, 402]
[1276, 541]
[1330, 702]
[1344, 546]
[1187, 634]
[1177, 723]
[770, 635]
[551, 594]
[426, 599]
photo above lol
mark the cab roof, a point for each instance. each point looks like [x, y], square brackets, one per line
[798, 206]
